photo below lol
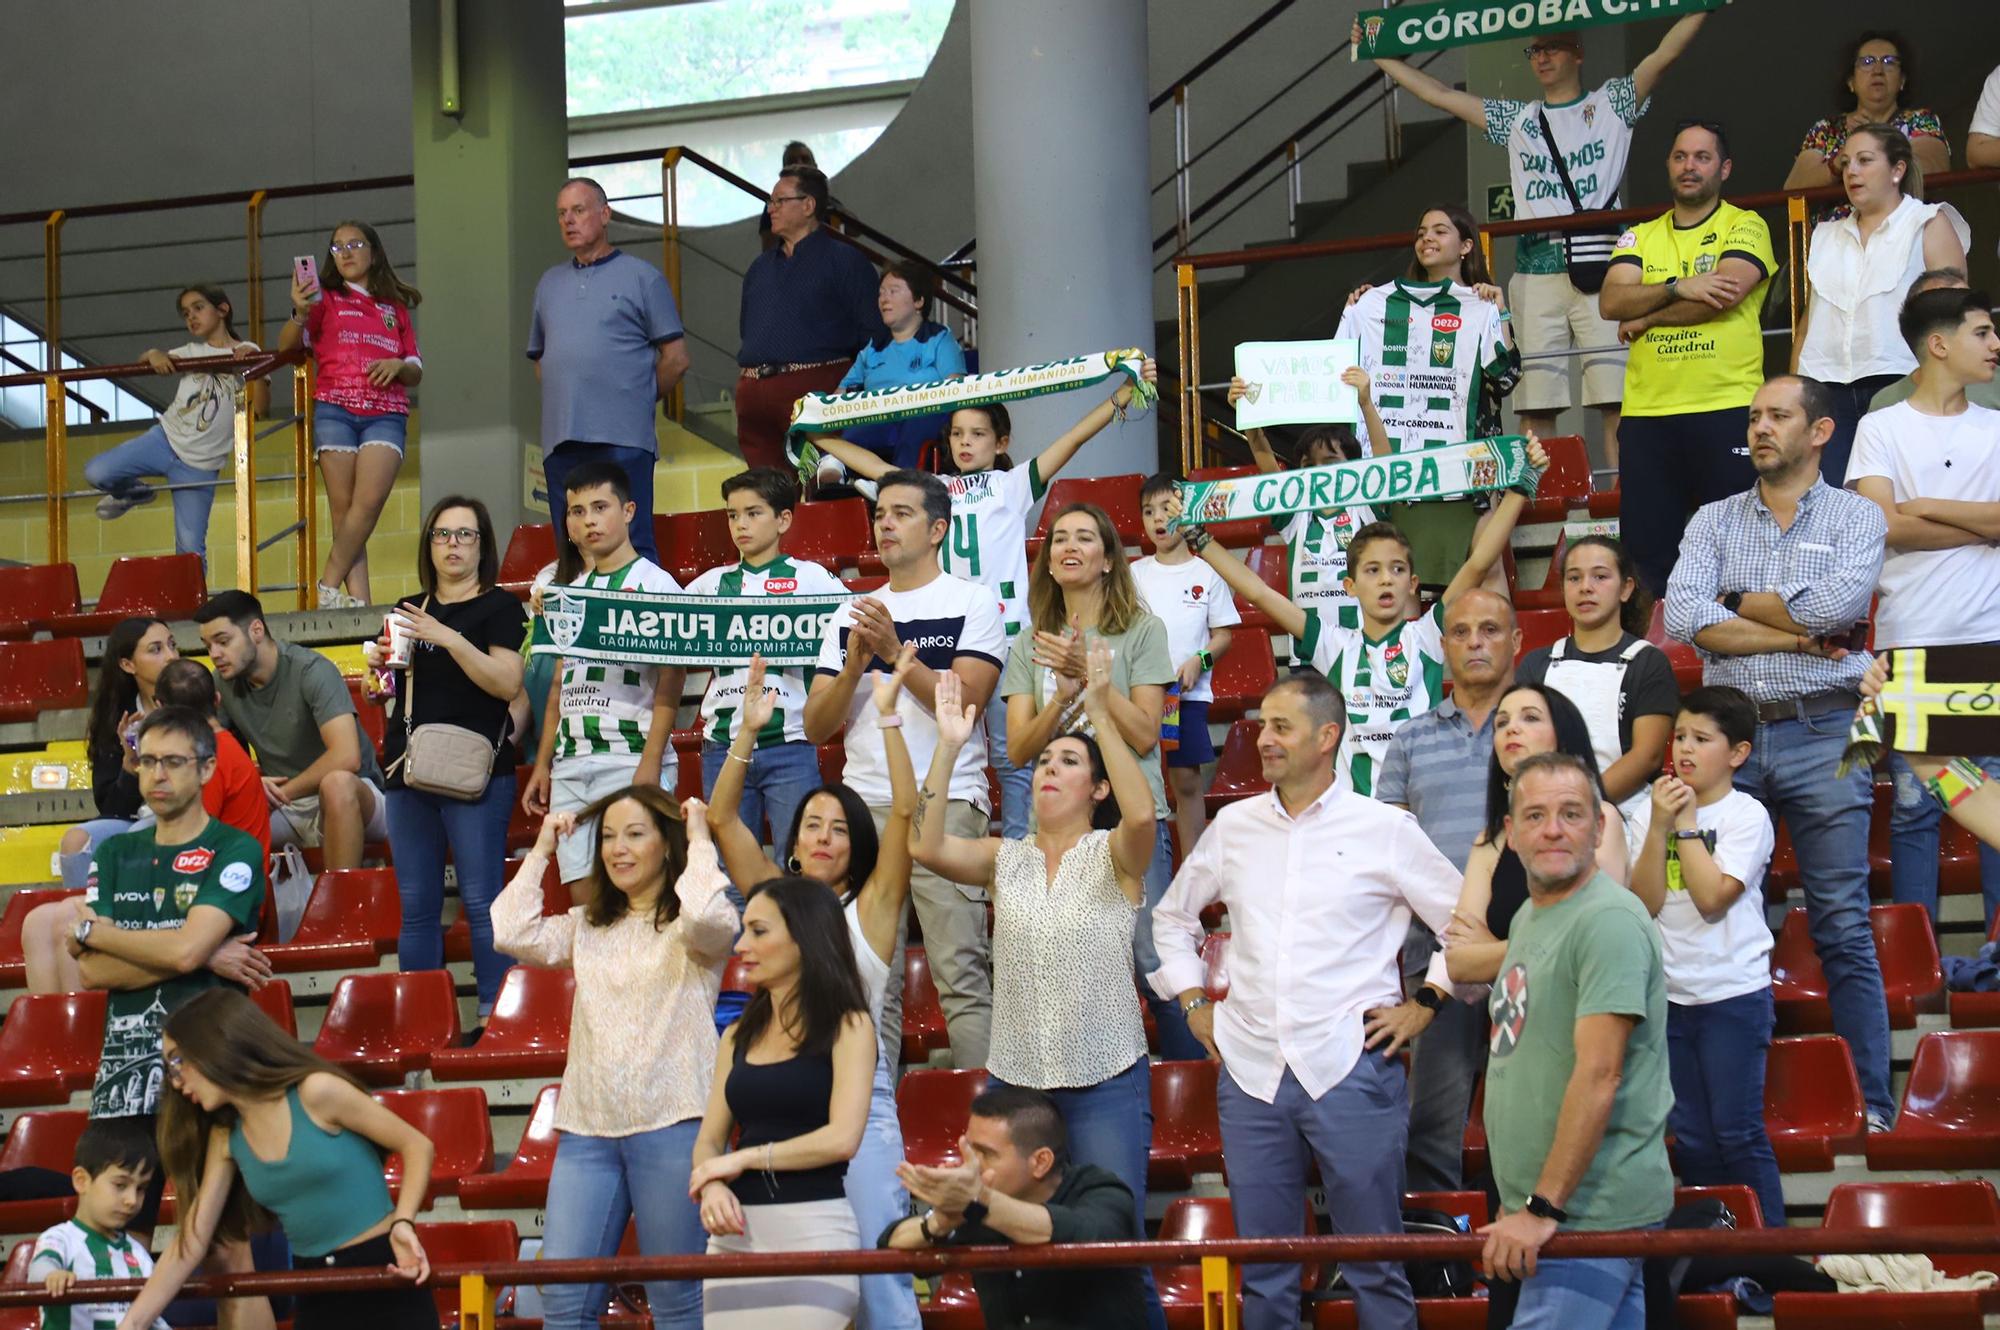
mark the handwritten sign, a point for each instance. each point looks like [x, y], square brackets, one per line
[1296, 383]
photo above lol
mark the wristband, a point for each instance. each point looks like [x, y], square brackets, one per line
[892, 721]
[400, 1220]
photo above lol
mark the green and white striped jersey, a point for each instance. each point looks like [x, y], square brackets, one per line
[88, 1254]
[988, 540]
[722, 701]
[1317, 542]
[1426, 346]
[609, 708]
[1384, 682]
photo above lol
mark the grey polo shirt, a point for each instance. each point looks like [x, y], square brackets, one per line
[597, 330]
[1436, 767]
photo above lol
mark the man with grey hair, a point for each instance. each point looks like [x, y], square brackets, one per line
[607, 343]
[1576, 1084]
[1320, 884]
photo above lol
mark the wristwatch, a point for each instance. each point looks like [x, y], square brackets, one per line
[1694, 834]
[1196, 1003]
[924, 1227]
[82, 930]
[975, 1212]
[1541, 1207]
[1206, 658]
[1733, 601]
[1428, 998]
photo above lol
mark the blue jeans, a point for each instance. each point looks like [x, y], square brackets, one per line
[636, 463]
[1017, 784]
[1110, 1124]
[779, 779]
[421, 827]
[1715, 1057]
[888, 1302]
[76, 867]
[1790, 772]
[121, 472]
[1177, 1042]
[1913, 842]
[339, 430]
[1357, 1131]
[1594, 1293]
[599, 1182]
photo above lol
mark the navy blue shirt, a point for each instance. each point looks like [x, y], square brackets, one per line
[597, 330]
[814, 305]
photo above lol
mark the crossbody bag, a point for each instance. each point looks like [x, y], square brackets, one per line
[447, 760]
[1586, 254]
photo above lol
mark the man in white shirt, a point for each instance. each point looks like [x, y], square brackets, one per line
[1320, 884]
[1932, 463]
[956, 626]
[1982, 140]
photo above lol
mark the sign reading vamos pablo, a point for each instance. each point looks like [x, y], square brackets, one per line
[1433, 27]
[668, 628]
[1431, 473]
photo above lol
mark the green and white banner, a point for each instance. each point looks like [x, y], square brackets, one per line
[1407, 29]
[674, 628]
[1453, 472]
[830, 413]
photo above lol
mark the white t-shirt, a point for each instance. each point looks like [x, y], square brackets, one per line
[947, 618]
[722, 699]
[607, 709]
[89, 1255]
[1191, 599]
[1708, 960]
[988, 541]
[1426, 347]
[1934, 597]
[1384, 682]
[1595, 132]
[200, 422]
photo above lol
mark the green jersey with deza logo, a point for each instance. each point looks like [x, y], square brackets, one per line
[1427, 347]
[608, 708]
[138, 883]
[722, 701]
[1383, 681]
[988, 540]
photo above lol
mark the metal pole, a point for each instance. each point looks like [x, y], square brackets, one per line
[253, 302]
[670, 256]
[1795, 261]
[52, 289]
[475, 1303]
[1292, 189]
[1182, 203]
[305, 510]
[1218, 1294]
[1188, 310]
[1392, 126]
[243, 452]
[56, 439]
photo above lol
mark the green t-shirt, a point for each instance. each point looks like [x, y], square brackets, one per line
[1139, 656]
[281, 721]
[137, 883]
[1592, 953]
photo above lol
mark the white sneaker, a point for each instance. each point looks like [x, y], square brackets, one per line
[332, 597]
[867, 489]
[110, 508]
[832, 471]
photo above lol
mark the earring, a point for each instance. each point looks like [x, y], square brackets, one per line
[792, 865]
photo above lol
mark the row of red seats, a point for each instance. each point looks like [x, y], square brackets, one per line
[46, 598]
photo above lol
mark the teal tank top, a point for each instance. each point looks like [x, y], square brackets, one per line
[326, 1191]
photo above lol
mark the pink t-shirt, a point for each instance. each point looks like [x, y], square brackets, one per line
[346, 330]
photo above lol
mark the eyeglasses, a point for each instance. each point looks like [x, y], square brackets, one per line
[1886, 61]
[454, 535]
[348, 247]
[1545, 48]
[149, 762]
[777, 199]
[173, 1063]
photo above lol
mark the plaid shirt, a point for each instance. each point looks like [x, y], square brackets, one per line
[1825, 566]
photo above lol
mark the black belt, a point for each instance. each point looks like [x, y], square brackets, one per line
[1798, 708]
[773, 371]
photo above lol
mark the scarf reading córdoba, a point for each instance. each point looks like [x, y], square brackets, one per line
[1451, 472]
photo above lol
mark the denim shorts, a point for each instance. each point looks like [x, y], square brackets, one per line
[338, 430]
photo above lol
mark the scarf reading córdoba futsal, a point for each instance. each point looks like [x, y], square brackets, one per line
[1451, 472]
[607, 627]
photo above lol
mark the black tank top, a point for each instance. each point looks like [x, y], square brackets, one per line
[1510, 893]
[774, 1102]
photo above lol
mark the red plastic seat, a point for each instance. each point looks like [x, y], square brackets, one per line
[1950, 1117]
[275, 999]
[1243, 676]
[1547, 596]
[835, 533]
[1738, 1196]
[41, 676]
[692, 543]
[382, 1027]
[923, 1013]
[1812, 1103]
[1272, 564]
[482, 1242]
[40, 1140]
[1468, 1205]
[1191, 1219]
[34, 597]
[530, 549]
[1565, 485]
[1604, 503]
[48, 1047]
[1239, 771]
[953, 1304]
[1904, 949]
[933, 1105]
[1684, 659]
[455, 1120]
[352, 919]
[163, 586]
[1118, 496]
[1187, 1134]
[18, 1261]
[1541, 628]
[1875, 1205]
[13, 968]
[527, 1034]
[524, 1183]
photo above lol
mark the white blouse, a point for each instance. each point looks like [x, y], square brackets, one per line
[1065, 1009]
[642, 1031]
[1858, 290]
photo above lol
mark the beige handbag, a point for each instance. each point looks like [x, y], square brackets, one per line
[447, 760]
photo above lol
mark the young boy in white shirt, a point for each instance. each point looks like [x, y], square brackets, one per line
[784, 768]
[1193, 601]
[115, 1164]
[1699, 851]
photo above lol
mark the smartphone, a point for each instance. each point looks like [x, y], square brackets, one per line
[305, 269]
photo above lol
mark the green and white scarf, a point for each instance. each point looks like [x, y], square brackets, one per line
[1452, 472]
[675, 628]
[1434, 27]
[830, 413]
[1944, 701]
